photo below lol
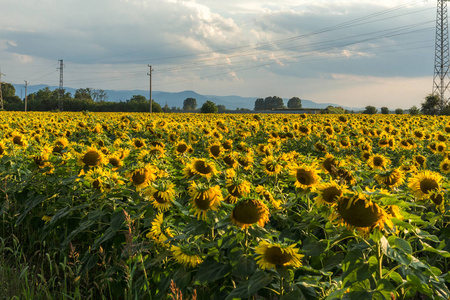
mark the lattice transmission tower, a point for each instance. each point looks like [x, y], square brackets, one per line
[441, 79]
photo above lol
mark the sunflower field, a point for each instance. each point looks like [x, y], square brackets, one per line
[222, 206]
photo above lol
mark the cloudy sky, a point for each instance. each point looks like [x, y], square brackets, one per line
[349, 52]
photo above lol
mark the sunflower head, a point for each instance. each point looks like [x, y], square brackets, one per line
[203, 168]
[142, 176]
[390, 178]
[204, 198]
[306, 176]
[272, 255]
[424, 183]
[271, 165]
[378, 161]
[92, 158]
[248, 212]
[161, 194]
[329, 193]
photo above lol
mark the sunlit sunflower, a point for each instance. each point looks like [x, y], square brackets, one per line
[181, 148]
[92, 158]
[185, 256]
[378, 161]
[215, 149]
[440, 147]
[357, 211]
[161, 194]
[444, 166]
[268, 196]
[245, 160]
[204, 198]
[390, 178]
[248, 212]
[142, 176]
[270, 255]
[201, 167]
[425, 182]
[237, 188]
[330, 164]
[115, 161]
[138, 143]
[19, 139]
[97, 179]
[271, 165]
[60, 144]
[227, 145]
[158, 232]
[306, 176]
[329, 193]
[263, 149]
[420, 161]
[230, 160]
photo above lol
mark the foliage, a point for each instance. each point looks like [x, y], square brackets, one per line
[209, 107]
[208, 206]
[189, 104]
[294, 102]
[399, 111]
[431, 105]
[384, 110]
[269, 103]
[414, 111]
[370, 110]
[334, 110]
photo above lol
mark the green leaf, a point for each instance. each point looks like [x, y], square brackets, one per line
[210, 271]
[427, 247]
[400, 244]
[313, 247]
[245, 266]
[246, 289]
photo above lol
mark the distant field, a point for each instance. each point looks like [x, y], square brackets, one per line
[224, 206]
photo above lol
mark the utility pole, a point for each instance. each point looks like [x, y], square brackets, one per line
[61, 84]
[1, 94]
[441, 78]
[150, 74]
[26, 86]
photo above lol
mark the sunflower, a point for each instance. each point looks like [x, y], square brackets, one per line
[227, 145]
[391, 178]
[181, 148]
[271, 165]
[306, 176]
[268, 196]
[248, 212]
[270, 255]
[161, 195]
[92, 158]
[437, 197]
[444, 166]
[215, 149]
[204, 199]
[320, 147]
[357, 211]
[420, 161]
[158, 232]
[230, 161]
[424, 183]
[186, 257]
[142, 176]
[97, 179]
[378, 161]
[440, 147]
[200, 166]
[138, 143]
[238, 187]
[19, 139]
[115, 161]
[330, 164]
[245, 160]
[329, 193]
[59, 145]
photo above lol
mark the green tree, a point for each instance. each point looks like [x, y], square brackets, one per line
[189, 104]
[370, 110]
[413, 110]
[399, 111]
[294, 102]
[8, 90]
[166, 108]
[431, 105]
[83, 94]
[221, 108]
[273, 102]
[259, 104]
[385, 110]
[209, 107]
[334, 110]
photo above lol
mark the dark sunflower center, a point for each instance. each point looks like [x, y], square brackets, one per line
[437, 198]
[248, 212]
[331, 194]
[202, 201]
[215, 150]
[275, 256]
[229, 160]
[329, 164]
[243, 161]
[158, 198]
[138, 144]
[270, 166]
[39, 160]
[305, 177]
[357, 214]
[96, 183]
[234, 190]
[114, 161]
[92, 158]
[378, 161]
[226, 145]
[420, 160]
[139, 177]
[445, 166]
[202, 167]
[427, 185]
[182, 148]
[17, 140]
[1, 150]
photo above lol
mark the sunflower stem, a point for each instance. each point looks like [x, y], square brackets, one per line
[246, 241]
[380, 260]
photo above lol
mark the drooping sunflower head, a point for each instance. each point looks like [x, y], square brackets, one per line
[245, 160]
[186, 256]
[203, 168]
[142, 176]
[204, 198]
[60, 144]
[306, 176]
[92, 158]
[230, 160]
[215, 150]
[424, 183]
[159, 231]
[358, 211]
[330, 164]
[238, 187]
[19, 139]
[248, 212]
[329, 193]
[420, 161]
[268, 196]
[270, 255]
[161, 194]
[390, 178]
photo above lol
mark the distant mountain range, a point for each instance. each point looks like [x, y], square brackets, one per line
[176, 99]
